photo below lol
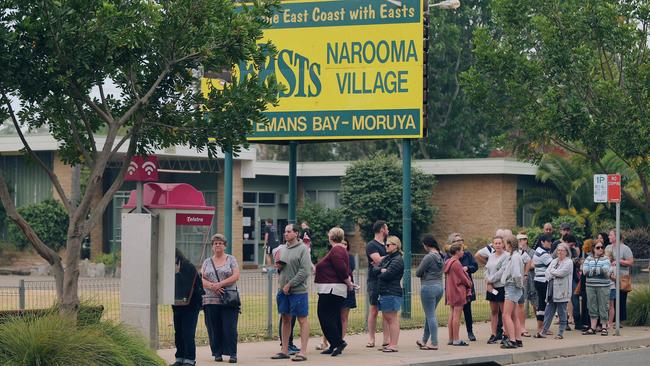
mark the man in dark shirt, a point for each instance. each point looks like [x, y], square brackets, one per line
[270, 242]
[375, 252]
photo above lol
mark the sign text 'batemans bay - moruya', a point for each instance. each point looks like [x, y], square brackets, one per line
[350, 69]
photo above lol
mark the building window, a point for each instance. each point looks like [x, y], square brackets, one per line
[328, 198]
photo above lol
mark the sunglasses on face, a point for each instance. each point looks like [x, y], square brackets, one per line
[389, 244]
[599, 247]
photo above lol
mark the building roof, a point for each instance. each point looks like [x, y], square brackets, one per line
[251, 167]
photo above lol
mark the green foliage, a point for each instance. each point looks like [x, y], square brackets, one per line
[573, 74]
[568, 190]
[129, 71]
[639, 241]
[56, 340]
[456, 128]
[533, 232]
[577, 227]
[130, 343]
[638, 307]
[109, 259]
[371, 190]
[48, 219]
[321, 219]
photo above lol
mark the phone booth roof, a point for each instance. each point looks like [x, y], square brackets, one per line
[170, 196]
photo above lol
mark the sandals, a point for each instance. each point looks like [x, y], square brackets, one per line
[425, 347]
[299, 358]
[321, 346]
[460, 343]
[280, 356]
[558, 337]
[604, 332]
[539, 335]
[589, 332]
[525, 334]
[389, 350]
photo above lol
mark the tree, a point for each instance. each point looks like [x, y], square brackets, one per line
[455, 129]
[570, 73]
[321, 219]
[49, 221]
[59, 59]
[371, 190]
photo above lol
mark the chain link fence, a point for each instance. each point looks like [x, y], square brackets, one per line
[259, 318]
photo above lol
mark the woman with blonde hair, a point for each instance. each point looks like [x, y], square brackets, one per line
[390, 272]
[513, 280]
[495, 291]
[332, 281]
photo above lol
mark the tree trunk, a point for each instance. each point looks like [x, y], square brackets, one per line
[70, 300]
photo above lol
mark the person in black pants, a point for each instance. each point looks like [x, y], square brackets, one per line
[332, 281]
[188, 292]
[220, 273]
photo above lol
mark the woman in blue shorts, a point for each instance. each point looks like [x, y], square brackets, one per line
[391, 270]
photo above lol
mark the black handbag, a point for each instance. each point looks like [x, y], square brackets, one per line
[229, 297]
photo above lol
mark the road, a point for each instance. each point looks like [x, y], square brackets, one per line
[635, 357]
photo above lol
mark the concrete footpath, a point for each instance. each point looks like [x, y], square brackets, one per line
[573, 344]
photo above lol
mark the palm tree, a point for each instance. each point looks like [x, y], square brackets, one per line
[568, 190]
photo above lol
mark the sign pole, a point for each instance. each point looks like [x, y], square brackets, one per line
[406, 225]
[293, 181]
[618, 268]
[227, 199]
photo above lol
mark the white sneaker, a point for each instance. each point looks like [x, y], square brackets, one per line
[264, 270]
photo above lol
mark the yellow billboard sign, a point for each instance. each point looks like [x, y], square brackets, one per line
[351, 69]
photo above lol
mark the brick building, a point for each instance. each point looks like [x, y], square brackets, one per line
[473, 196]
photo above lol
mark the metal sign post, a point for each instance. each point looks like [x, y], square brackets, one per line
[607, 188]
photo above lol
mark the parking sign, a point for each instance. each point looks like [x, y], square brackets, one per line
[600, 188]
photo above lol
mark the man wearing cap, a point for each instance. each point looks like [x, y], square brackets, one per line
[541, 260]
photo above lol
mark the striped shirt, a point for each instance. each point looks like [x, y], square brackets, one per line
[541, 260]
[597, 271]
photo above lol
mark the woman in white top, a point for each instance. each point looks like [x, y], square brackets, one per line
[495, 292]
[512, 278]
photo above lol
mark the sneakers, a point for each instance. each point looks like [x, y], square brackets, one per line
[492, 340]
[293, 349]
[471, 336]
[508, 344]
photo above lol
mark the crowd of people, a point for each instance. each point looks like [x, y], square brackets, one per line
[576, 282]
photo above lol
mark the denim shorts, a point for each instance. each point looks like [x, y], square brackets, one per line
[389, 303]
[294, 304]
[513, 293]
[612, 294]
